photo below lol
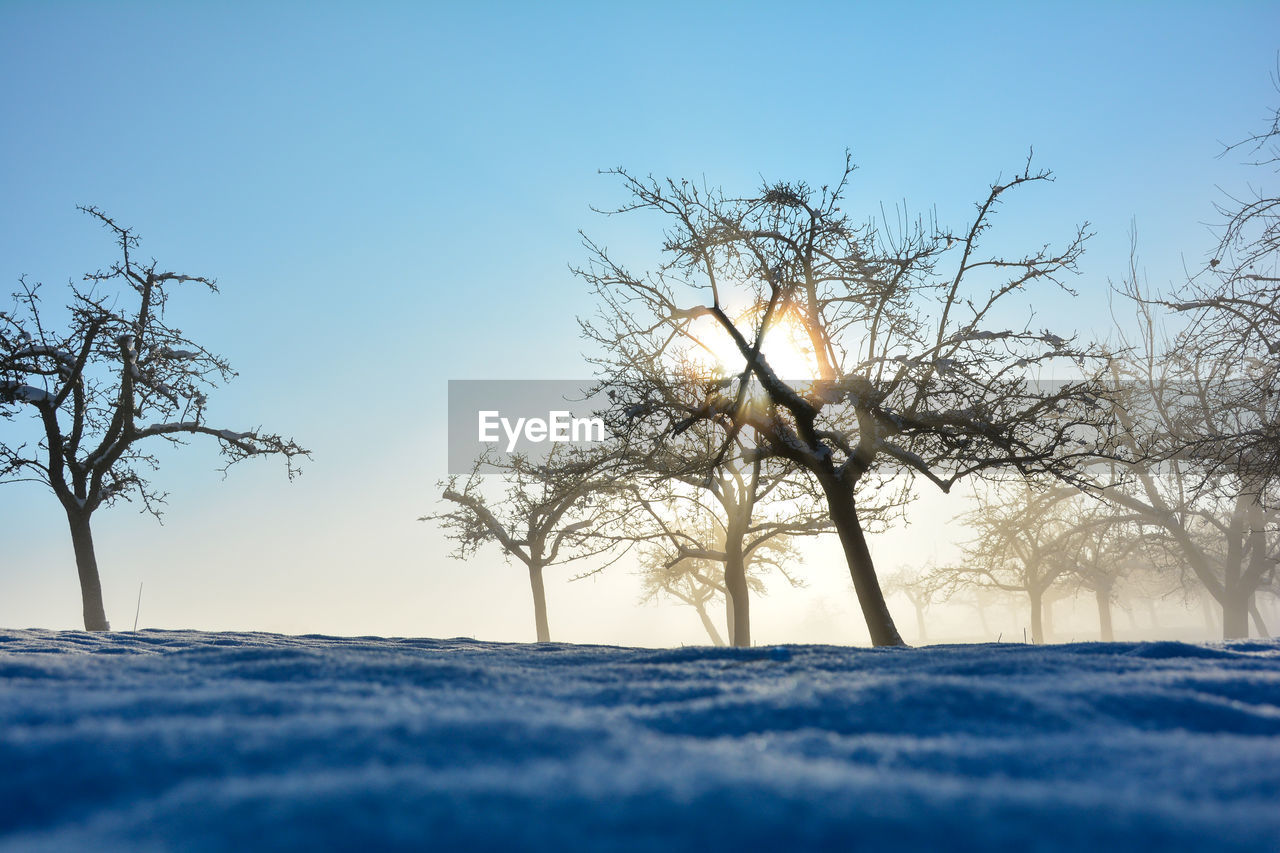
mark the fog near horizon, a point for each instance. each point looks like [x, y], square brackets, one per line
[398, 580]
[405, 217]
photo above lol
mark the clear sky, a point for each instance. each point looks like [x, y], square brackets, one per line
[389, 196]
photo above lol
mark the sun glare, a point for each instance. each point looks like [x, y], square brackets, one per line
[786, 347]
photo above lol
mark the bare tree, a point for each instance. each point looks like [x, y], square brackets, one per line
[921, 587]
[1211, 411]
[908, 373]
[1103, 545]
[694, 581]
[753, 498]
[543, 513]
[745, 503]
[1018, 547]
[687, 563]
[742, 517]
[1232, 306]
[1219, 512]
[117, 378]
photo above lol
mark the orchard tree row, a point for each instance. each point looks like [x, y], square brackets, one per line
[1153, 455]
[784, 369]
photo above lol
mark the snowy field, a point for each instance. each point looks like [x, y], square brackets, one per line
[167, 740]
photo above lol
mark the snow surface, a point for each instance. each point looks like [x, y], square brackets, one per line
[162, 740]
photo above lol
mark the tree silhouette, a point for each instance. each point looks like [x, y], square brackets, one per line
[542, 513]
[105, 388]
[689, 567]
[1233, 307]
[921, 587]
[706, 535]
[705, 529]
[1018, 546]
[908, 373]
[1173, 402]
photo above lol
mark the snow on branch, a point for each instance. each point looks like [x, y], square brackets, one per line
[12, 391]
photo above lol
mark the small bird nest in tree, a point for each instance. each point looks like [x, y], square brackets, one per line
[783, 195]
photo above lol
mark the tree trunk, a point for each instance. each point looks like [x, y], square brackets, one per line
[737, 595]
[728, 615]
[1037, 617]
[539, 603]
[1258, 565]
[1258, 624]
[95, 616]
[1210, 616]
[1153, 614]
[1235, 617]
[716, 639]
[1235, 600]
[920, 630]
[1104, 615]
[844, 515]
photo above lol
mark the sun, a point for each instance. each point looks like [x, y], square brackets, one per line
[787, 346]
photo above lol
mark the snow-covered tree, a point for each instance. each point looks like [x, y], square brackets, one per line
[116, 379]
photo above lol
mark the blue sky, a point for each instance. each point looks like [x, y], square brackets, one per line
[389, 196]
